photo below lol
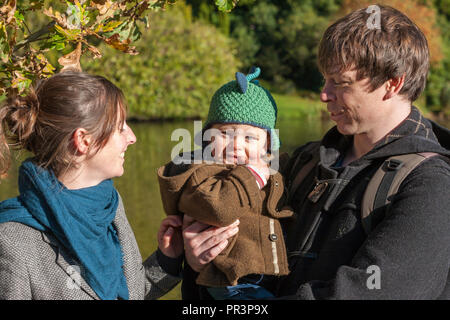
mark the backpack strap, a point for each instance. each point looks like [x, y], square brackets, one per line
[307, 159]
[385, 183]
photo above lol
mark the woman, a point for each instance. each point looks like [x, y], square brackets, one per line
[66, 235]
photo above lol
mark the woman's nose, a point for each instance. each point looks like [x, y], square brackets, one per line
[327, 93]
[131, 138]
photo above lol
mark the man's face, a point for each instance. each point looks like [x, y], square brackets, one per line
[352, 107]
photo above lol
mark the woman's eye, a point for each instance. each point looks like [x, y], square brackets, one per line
[123, 128]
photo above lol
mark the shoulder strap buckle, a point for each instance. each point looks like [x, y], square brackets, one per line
[384, 184]
[392, 164]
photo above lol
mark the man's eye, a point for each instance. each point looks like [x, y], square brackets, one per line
[252, 138]
[341, 84]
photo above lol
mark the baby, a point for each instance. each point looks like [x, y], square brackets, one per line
[237, 183]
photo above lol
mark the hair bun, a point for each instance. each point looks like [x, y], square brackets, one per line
[21, 117]
[29, 103]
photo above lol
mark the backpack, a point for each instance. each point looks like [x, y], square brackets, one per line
[383, 185]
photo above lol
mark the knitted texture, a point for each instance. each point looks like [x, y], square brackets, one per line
[244, 101]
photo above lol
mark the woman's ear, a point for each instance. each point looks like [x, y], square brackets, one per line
[82, 141]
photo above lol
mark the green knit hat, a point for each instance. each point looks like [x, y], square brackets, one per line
[245, 101]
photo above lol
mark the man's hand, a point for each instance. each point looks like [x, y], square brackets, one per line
[202, 242]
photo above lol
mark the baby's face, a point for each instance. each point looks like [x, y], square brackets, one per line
[238, 143]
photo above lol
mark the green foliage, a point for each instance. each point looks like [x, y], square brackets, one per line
[443, 7]
[437, 92]
[226, 5]
[280, 36]
[179, 67]
[79, 25]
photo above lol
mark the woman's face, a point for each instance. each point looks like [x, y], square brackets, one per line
[108, 162]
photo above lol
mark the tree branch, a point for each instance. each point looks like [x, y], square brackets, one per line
[35, 36]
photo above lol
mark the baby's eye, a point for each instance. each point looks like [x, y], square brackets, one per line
[251, 138]
[231, 133]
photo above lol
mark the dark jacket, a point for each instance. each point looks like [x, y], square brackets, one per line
[330, 255]
[218, 194]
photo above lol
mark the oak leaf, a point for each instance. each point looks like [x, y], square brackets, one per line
[71, 61]
[56, 16]
[124, 46]
[8, 10]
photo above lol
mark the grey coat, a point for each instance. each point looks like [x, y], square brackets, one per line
[34, 265]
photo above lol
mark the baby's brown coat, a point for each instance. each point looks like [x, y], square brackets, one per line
[218, 194]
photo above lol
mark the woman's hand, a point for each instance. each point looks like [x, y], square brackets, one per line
[202, 242]
[170, 240]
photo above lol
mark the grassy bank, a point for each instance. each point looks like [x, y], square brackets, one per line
[294, 107]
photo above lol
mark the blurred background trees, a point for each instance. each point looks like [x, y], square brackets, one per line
[281, 36]
[180, 64]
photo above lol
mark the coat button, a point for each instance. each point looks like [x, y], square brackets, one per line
[276, 183]
[273, 237]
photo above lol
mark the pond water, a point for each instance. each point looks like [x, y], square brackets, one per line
[139, 187]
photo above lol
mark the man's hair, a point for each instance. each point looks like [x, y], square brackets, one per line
[396, 48]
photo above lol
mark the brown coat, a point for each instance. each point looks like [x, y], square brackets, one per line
[218, 194]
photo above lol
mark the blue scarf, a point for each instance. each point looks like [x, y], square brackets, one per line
[80, 219]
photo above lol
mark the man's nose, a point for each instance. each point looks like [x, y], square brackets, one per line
[328, 94]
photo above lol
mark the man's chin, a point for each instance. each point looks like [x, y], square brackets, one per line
[346, 130]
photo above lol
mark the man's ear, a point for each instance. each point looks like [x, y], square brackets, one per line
[393, 86]
[82, 141]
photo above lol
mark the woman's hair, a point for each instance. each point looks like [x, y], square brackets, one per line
[44, 121]
[394, 48]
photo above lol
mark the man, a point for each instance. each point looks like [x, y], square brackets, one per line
[372, 76]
